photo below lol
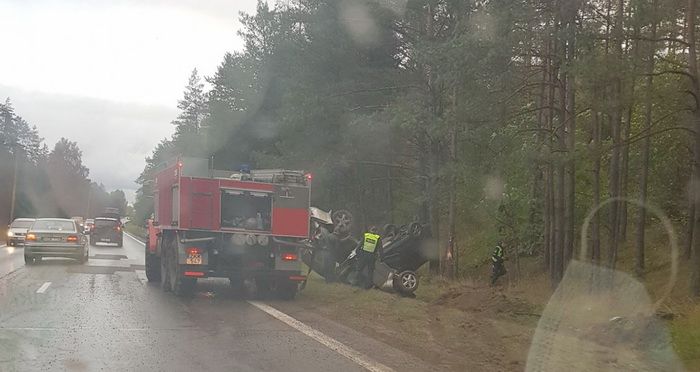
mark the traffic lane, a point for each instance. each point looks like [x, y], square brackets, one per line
[132, 248]
[11, 258]
[114, 321]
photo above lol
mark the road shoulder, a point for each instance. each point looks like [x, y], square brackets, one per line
[455, 328]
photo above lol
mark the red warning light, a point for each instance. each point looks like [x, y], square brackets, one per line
[309, 176]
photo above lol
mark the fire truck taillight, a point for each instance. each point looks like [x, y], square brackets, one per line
[193, 251]
[289, 256]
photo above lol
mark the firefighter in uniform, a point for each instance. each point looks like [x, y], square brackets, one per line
[497, 261]
[366, 256]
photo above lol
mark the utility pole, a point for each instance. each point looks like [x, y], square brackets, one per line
[87, 213]
[14, 187]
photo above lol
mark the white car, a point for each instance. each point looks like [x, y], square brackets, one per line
[18, 230]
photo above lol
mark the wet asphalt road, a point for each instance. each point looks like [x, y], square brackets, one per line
[105, 316]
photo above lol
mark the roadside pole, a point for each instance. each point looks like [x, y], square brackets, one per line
[14, 188]
[87, 213]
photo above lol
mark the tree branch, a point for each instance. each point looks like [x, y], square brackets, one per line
[370, 90]
[669, 39]
[672, 72]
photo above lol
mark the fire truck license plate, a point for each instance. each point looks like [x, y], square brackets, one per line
[195, 259]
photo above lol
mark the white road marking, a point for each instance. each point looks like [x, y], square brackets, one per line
[3, 245]
[325, 340]
[133, 237]
[43, 287]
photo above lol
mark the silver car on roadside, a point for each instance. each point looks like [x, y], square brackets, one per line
[17, 230]
[55, 237]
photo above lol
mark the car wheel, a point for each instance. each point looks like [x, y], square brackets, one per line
[121, 243]
[405, 282]
[415, 229]
[29, 260]
[342, 222]
[390, 230]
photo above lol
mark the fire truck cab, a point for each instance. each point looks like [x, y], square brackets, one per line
[247, 226]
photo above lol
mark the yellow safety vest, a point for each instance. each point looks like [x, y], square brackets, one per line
[370, 242]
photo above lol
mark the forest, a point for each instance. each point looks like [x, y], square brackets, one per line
[43, 182]
[488, 120]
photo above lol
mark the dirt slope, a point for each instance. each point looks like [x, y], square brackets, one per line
[465, 327]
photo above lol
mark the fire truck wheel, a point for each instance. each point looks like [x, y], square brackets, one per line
[179, 283]
[153, 272]
[286, 290]
[164, 277]
[184, 286]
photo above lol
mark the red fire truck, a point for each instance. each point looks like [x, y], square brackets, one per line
[247, 226]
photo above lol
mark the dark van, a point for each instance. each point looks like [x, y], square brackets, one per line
[107, 230]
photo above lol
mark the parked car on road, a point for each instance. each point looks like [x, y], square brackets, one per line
[17, 230]
[55, 237]
[89, 224]
[80, 221]
[107, 230]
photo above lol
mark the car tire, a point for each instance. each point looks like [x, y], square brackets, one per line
[390, 231]
[29, 260]
[121, 243]
[406, 282]
[342, 222]
[153, 267]
[415, 229]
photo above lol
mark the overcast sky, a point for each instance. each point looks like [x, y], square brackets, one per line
[108, 74]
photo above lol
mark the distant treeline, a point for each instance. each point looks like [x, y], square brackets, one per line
[49, 183]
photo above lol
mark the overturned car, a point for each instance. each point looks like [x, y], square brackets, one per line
[398, 260]
[330, 241]
[332, 252]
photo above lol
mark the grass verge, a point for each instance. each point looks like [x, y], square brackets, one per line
[450, 325]
[135, 230]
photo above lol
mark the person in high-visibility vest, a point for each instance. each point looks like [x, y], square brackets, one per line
[366, 255]
[498, 267]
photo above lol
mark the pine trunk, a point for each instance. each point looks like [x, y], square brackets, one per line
[646, 147]
[595, 249]
[695, 178]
